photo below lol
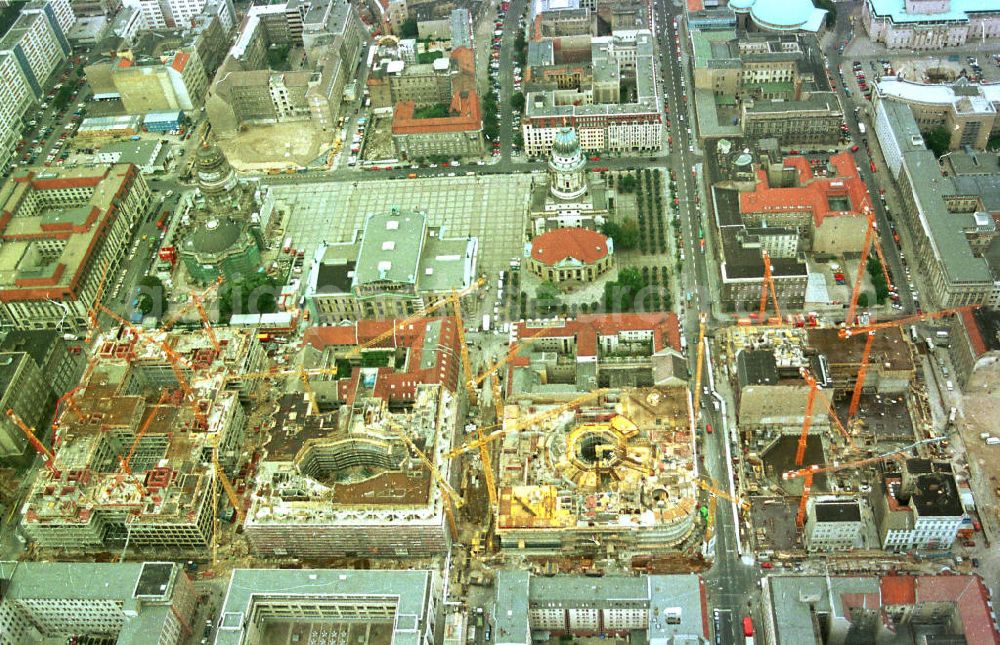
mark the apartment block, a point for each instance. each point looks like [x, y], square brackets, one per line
[134, 407]
[948, 215]
[16, 96]
[64, 231]
[669, 609]
[384, 504]
[130, 603]
[62, 368]
[930, 24]
[167, 14]
[38, 44]
[266, 605]
[396, 265]
[587, 96]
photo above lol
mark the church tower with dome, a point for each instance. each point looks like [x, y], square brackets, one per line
[571, 196]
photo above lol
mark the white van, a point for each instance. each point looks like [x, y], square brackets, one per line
[950, 386]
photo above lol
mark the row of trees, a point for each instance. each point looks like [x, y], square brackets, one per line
[649, 205]
[488, 109]
[638, 289]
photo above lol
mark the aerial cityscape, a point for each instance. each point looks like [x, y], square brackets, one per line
[461, 322]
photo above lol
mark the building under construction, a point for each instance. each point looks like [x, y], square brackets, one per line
[615, 475]
[354, 482]
[134, 446]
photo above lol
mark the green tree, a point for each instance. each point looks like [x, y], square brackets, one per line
[517, 101]
[862, 299]
[621, 295]
[877, 277]
[253, 294]
[625, 235]
[152, 297]
[627, 183]
[938, 140]
[547, 295]
[63, 97]
[408, 29]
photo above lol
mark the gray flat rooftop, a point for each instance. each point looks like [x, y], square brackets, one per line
[409, 592]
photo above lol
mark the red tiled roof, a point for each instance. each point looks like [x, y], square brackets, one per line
[180, 61]
[464, 107]
[695, 5]
[970, 597]
[813, 193]
[124, 62]
[587, 330]
[320, 337]
[975, 335]
[898, 590]
[560, 244]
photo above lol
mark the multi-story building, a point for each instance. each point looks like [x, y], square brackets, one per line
[570, 196]
[174, 80]
[16, 95]
[832, 525]
[66, 230]
[129, 603]
[246, 91]
[669, 609]
[930, 24]
[24, 390]
[61, 367]
[346, 483]
[38, 43]
[133, 408]
[813, 120]
[396, 265]
[974, 343]
[96, 7]
[591, 101]
[262, 603]
[164, 14]
[570, 255]
[741, 265]
[891, 366]
[458, 135]
[967, 111]
[948, 216]
[637, 350]
[839, 610]
[920, 509]
[392, 81]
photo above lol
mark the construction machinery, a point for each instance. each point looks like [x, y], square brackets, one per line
[126, 461]
[521, 424]
[179, 313]
[484, 448]
[509, 356]
[866, 248]
[699, 365]
[852, 410]
[800, 450]
[807, 474]
[205, 322]
[234, 499]
[456, 304]
[718, 492]
[423, 313]
[48, 457]
[766, 287]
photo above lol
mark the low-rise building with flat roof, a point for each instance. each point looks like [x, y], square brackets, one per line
[832, 525]
[669, 609]
[145, 155]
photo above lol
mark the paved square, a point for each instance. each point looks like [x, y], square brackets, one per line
[492, 208]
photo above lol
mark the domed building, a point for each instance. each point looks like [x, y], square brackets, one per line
[571, 196]
[570, 255]
[221, 240]
[779, 15]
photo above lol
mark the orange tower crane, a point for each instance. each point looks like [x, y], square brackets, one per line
[807, 474]
[98, 297]
[800, 451]
[204, 319]
[48, 456]
[767, 286]
[862, 374]
[172, 320]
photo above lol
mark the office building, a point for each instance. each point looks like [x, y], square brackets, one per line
[396, 265]
[667, 609]
[270, 605]
[832, 525]
[947, 215]
[460, 134]
[974, 343]
[24, 390]
[346, 484]
[16, 95]
[922, 24]
[588, 96]
[129, 603]
[38, 43]
[68, 229]
[920, 509]
[174, 14]
[840, 610]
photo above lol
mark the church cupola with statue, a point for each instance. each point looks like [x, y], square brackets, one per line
[570, 197]
[221, 241]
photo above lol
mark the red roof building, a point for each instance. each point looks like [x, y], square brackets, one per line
[431, 350]
[840, 193]
[456, 135]
[565, 254]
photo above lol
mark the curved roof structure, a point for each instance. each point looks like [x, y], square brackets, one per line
[566, 142]
[785, 15]
[740, 5]
[561, 244]
[214, 236]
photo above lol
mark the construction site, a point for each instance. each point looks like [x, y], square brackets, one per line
[616, 475]
[146, 444]
[828, 418]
